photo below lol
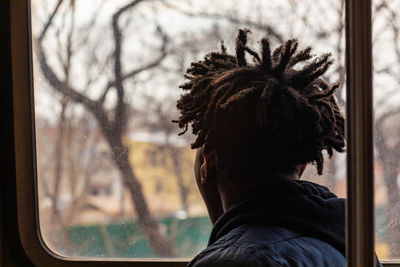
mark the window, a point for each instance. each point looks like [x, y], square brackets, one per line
[387, 132]
[102, 174]
[80, 51]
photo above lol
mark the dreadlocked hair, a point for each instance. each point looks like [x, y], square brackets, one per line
[267, 114]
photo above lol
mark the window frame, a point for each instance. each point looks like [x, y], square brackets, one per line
[360, 149]
[360, 230]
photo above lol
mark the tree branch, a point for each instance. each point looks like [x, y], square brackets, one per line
[63, 87]
[120, 118]
[154, 63]
[120, 110]
[50, 20]
[386, 115]
[339, 49]
[269, 30]
[380, 139]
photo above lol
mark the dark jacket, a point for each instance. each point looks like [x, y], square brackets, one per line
[285, 223]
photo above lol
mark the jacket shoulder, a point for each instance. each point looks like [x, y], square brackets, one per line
[235, 256]
[268, 246]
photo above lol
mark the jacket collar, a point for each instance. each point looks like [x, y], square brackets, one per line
[301, 206]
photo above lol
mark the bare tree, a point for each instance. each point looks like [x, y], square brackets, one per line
[387, 131]
[112, 123]
[261, 24]
[388, 154]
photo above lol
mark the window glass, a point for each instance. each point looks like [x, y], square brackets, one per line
[114, 179]
[386, 49]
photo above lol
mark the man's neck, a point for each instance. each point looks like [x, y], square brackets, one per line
[231, 190]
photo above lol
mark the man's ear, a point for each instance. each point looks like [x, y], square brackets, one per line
[302, 168]
[209, 164]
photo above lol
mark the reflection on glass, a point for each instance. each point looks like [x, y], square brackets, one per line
[386, 45]
[114, 179]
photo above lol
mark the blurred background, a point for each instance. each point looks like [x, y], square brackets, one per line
[114, 179]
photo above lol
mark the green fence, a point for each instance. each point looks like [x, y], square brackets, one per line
[125, 239]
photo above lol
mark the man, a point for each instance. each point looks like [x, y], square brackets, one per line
[257, 126]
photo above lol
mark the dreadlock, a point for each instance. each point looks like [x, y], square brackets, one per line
[266, 114]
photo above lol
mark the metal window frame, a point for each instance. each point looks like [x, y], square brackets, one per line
[360, 216]
[360, 174]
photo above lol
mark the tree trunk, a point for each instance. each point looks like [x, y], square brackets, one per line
[112, 130]
[391, 170]
[390, 174]
[178, 174]
[58, 155]
[157, 240]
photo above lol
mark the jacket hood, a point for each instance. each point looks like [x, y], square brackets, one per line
[301, 206]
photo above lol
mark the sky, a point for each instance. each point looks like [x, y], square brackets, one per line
[141, 42]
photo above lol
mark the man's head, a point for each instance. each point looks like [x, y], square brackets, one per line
[275, 114]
